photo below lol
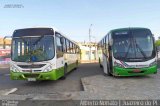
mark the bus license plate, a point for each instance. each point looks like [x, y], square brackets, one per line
[31, 79]
[136, 70]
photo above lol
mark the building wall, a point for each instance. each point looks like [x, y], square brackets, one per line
[5, 53]
[7, 43]
[85, 51]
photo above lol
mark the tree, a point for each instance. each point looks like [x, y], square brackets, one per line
[157, 43]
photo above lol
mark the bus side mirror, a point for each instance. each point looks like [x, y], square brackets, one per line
[61, 40]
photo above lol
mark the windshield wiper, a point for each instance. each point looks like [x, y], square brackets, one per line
[142, 52]
[38, 40]
[127, 51]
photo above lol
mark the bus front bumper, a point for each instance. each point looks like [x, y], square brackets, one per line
[51, 75]
[130, 71]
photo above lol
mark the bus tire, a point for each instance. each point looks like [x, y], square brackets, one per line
[76, 65]
[65, 72]
[100, 65]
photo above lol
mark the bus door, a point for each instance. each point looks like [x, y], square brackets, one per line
[110, 53]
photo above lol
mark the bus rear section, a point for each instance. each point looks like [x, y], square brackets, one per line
[38, 54]
[131, 53]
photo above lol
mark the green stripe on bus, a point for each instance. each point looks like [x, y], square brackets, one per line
[118, 71]
[51, 75]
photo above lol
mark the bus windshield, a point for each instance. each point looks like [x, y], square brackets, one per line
[33, 49]
[134, 45]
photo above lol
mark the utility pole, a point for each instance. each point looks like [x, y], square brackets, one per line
[90, 42]
[95, 53]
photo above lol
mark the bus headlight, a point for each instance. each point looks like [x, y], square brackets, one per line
[49, 68]
[14, 69]
[118, 65]
[153, 63]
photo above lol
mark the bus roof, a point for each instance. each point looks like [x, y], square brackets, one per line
[33, 32]
[124, 29]
[129, 28]
[38, 31]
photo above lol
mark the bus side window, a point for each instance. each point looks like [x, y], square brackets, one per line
[68, 47]
[109, 41]
[59, 46]
[71, 47]
[74, 48]
[64, 46]
[107, 44]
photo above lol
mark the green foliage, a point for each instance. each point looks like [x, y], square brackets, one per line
[157, 43]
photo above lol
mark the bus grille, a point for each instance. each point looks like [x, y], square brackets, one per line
[32, 66]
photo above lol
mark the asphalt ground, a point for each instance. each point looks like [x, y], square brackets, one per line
[72, 82]
[95, 85]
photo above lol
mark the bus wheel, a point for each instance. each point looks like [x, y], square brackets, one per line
[76, 64]
[100, 63]
[65, 72]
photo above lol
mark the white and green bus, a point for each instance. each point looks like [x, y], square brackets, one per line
[42, 54]
[128, 52]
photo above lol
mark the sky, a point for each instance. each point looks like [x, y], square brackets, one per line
[74, 17]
